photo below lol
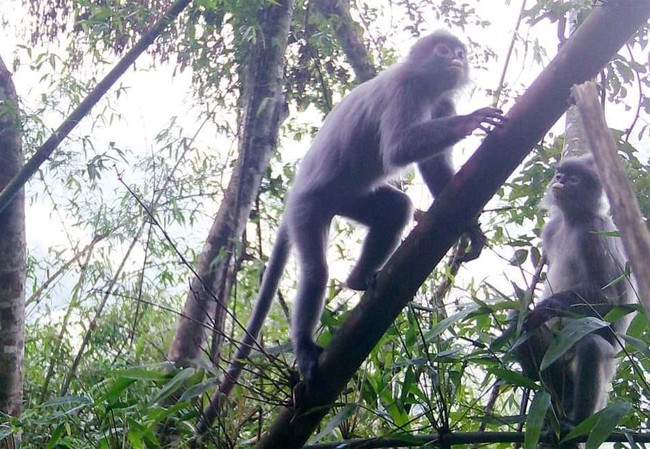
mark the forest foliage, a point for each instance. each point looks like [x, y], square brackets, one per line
[118, 216]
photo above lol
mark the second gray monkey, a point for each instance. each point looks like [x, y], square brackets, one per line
[586, 277]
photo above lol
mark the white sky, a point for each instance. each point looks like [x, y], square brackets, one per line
[153, 97]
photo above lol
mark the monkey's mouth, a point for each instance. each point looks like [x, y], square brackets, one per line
[457, 63]
[557, 187]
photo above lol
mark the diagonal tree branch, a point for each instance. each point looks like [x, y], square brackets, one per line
[625, 207]
[48, 147]
[588, 50]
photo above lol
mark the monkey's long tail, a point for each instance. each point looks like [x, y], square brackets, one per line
[268, 289]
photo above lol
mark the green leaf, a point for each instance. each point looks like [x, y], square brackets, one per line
[345, 412]
[569, 336]
[514, 378]
[112, 395]
[68, 402]
[608, 419]
[173, 385]
[637, 344]
[5, 431]
[135, 438]
[142, 374]
[535, 421]
[447, 322]
[141, 436]
[409, 382]
[582, 428]
[199, 389]
[535, 256]
[519, 257]
[56, 436]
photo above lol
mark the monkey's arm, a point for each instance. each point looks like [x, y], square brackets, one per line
[438, 171]
[405, 143]
[580, 301]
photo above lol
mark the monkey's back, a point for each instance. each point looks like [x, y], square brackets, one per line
[346, 156]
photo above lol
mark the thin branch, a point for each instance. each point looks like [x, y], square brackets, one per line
[506, 63]
[349, 35]
[458, 438]
[98, 313]
[74, 302]
[62, 269]
[48, 147]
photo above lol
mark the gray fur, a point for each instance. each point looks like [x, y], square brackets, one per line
[405, 115]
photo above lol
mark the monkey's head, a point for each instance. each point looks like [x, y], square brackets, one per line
[442, 57]
[576, 187]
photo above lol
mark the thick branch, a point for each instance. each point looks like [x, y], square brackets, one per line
[87, 104]
[588, 50]
[622, 199]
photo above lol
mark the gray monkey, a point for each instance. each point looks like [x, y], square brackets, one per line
[586, 277]
[404, 115]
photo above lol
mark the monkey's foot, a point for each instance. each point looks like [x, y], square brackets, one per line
[477, 240]
[360, 282]
[307, 355]
[549, 439]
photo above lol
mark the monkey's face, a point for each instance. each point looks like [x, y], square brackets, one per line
[451, 59]
[451, 55]
[567, 184]
[575, 189]
[443, 58]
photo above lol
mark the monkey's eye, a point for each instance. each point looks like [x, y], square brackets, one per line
[442, 50]
[460, 54]
[573, 179]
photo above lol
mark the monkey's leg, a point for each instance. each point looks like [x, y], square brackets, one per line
[309, 231]
[594, 366]
[529, 354]
[437, 172]
[557, 378]
[386, 211]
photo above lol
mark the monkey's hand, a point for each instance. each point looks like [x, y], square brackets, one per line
[477, 241]
[547, 309]
[484, 119]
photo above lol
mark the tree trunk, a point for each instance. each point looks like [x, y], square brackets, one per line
[593, 44]
[350, 36]
[575, 141]
[12, 254]
[263, 112]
